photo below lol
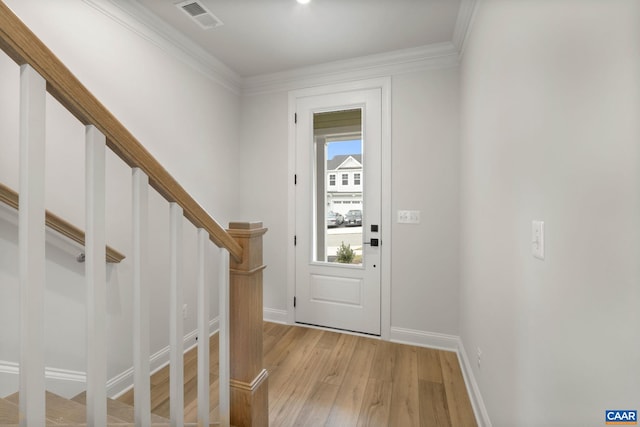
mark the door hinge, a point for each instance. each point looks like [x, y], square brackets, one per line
[295, 240]
[294, 302]
[295, 118]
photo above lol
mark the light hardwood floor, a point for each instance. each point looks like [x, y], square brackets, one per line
[324, 378]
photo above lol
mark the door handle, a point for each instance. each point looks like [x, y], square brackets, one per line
[373, 242]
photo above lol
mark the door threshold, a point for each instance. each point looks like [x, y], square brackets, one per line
[344, 331]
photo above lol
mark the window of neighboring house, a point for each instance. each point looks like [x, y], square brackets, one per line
[332, 179]
[356, 179]
[345, 179]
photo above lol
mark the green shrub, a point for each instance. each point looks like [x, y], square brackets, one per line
[345, 254]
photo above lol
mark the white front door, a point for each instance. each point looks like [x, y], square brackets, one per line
[338, 210]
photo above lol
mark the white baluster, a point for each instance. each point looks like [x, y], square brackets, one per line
[176, 364]
[203, 332]
[141, 381]
[32, 246]
[96, 276]
[223, 337]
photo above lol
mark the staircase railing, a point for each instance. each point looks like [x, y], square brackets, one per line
[243, 384]
[54, 222]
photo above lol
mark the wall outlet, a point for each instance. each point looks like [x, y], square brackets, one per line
[479, 354]
[185, 311]
[408, 217]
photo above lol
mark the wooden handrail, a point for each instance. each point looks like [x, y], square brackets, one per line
[19, 43]
[11, 198]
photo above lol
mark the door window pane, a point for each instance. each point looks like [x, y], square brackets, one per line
[338, 208]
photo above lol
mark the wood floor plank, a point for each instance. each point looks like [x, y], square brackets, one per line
[289, 342]
[429, 368]
[384, 361]
[375, 404]
[458, 403]
[348, 402]
[405, 406]
[329, 340]
[334, 371]
[298, 389]
[433, 405]
[286, 368]
[317, 407]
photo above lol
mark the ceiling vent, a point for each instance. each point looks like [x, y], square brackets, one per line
[199, 13]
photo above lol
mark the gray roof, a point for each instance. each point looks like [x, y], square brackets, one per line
[337, 160]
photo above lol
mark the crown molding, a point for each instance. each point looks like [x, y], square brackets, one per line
[441, 55]
[463, 23]
[138, 19]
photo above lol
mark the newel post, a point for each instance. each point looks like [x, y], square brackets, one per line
[249, 383]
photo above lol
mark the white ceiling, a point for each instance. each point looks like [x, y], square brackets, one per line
[267, 36]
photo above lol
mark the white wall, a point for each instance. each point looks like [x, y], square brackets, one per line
[188, 122]
[425, 176]
[550, 131]
[264, 185]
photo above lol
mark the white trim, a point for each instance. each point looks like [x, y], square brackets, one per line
[291, 211]
[13, 368]
[440, 55]
[480, 410]
[463, 23]
[123, 382]
[138, 19]
[424, 339]
[384, 83]
[274, 315]
[386, 213]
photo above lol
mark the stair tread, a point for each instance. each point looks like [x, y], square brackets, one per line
[8, 412]
[120, 410]
[61, 411]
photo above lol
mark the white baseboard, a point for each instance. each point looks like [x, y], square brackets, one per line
[65, 382]
[424, 339]
[123, 382]
[482, 416]
[448, 343]
[273, 315]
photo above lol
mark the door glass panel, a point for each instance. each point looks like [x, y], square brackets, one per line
[338, 183]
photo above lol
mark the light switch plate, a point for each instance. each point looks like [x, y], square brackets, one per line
[408, 217]
[537, 239]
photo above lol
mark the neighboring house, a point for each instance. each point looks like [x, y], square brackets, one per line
[344, 183]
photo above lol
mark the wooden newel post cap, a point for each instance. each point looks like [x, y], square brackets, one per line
[249, 225]
[249, 237]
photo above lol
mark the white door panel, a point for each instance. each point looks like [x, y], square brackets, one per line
[329, 293]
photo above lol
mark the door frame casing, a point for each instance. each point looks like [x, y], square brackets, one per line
[384, 84]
